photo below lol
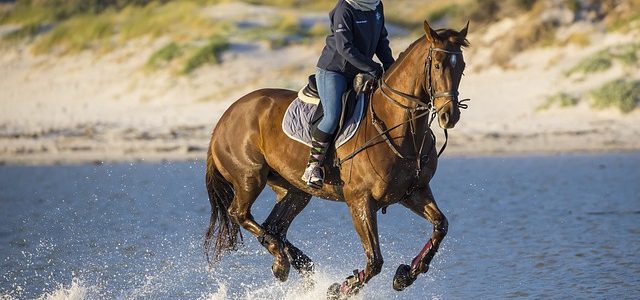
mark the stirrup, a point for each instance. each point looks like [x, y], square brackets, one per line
[313, 176]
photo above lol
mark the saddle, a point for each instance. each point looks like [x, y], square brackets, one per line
[309, 94]
[305, 112]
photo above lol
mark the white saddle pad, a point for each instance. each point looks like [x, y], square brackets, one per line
[297, 119]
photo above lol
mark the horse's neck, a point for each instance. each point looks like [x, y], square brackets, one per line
[406, 76]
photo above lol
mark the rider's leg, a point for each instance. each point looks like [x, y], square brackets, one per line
[331, 86]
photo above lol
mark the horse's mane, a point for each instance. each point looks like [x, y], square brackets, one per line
[404, 53]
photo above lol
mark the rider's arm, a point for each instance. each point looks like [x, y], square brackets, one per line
[342, 29]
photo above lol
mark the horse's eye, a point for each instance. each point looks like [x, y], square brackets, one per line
[438, 66]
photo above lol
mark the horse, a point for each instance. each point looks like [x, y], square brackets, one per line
[248, 150]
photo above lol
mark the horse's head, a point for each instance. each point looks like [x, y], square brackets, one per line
[444, 67]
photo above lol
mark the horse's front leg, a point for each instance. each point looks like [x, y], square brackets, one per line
[422, 203]
[363, 215]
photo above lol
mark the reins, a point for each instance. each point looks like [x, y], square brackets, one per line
[426, 109]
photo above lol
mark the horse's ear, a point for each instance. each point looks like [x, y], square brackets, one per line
[464, 31]
[432, 35]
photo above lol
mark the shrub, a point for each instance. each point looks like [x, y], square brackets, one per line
[623, 94]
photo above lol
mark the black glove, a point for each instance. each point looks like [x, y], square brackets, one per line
[377, 72]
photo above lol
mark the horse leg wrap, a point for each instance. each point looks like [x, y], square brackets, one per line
[299, 260]
[350, 287]
[420, 264]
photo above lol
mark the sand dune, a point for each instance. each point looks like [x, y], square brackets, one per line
[104, 107]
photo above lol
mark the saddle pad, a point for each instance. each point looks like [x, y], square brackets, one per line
[297, 119]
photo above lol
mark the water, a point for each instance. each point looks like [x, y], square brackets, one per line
[520, 227]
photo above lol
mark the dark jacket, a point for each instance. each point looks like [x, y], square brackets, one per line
[355, 37]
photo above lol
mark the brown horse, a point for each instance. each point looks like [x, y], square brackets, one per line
[249, 150]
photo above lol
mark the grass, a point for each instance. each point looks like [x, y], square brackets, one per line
[164, 55]
[558, 100]
[78, 33]
[26, 31]
[626, 55]
[26, 14]
[74, 31]
[622, 94]
[598, 62]
[208, 54]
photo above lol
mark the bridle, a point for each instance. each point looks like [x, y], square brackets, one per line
[420, 104]
[422, 108]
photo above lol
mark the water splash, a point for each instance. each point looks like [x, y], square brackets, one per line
[76, 291]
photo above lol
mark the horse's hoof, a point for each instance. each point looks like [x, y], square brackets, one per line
[403, 278]
[333, 293]
[280, 269]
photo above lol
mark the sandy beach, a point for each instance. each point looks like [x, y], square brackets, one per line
[104, 107]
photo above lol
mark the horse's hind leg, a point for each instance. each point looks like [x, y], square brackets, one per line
[247, 188]
[422, 203]
[290, 201]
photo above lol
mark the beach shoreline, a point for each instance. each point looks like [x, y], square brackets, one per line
[94, 107]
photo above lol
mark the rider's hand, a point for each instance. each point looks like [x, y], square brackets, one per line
[377, 72]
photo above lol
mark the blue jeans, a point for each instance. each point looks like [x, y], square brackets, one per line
[331, 86]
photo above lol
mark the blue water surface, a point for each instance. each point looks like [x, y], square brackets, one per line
[520, 227]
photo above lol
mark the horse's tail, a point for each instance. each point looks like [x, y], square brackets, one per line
[221, 194]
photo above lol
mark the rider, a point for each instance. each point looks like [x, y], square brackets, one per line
[357, 33]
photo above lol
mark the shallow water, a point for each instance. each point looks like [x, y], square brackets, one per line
[520, 227]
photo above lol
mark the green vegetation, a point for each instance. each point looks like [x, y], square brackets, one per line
[103, 25]
[26, 31]
[208, 54]
[626, 55]
[601, 61]
[164, 56]
[558, 100]
[623, 94]
[78, 33]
